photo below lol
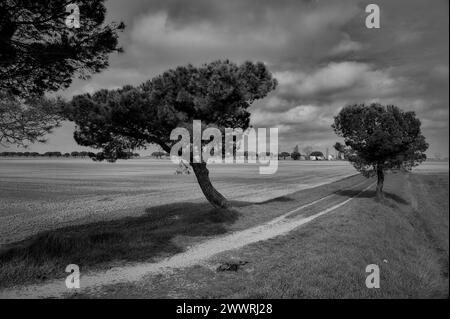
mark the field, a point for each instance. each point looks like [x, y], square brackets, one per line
[131, 220]
[37, 195]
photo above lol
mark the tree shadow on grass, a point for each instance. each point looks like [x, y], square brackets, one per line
[129, 239]
[280, 199]
[371, 194]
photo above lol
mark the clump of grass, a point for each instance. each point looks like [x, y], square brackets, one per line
[95, 246]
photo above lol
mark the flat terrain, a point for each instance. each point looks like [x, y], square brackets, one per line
[37, 195]
[406, 236]
[173, 250]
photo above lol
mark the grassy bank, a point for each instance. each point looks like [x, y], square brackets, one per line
[407, 236]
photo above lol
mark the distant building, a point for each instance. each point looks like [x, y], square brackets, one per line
[316, 158]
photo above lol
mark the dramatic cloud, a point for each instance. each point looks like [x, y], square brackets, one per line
[350, 77]
[320, 51]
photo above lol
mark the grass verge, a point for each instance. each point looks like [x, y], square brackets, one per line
[406, 236]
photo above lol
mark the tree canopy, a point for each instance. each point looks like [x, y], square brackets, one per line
[307, 150]
[379, 138]
[295, 155]
[284, 155]
[40, 53]
[218, 94]
[159, 154]
[27, 120]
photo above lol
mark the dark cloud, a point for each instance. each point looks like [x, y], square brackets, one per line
[321, 52]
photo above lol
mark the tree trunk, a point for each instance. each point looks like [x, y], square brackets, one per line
[380, 176]
[212, 195]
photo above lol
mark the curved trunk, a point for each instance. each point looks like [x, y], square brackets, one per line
[380, 177]
[212, 195]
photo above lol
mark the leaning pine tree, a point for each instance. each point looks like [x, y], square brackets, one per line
[218, 94]
[380, 138]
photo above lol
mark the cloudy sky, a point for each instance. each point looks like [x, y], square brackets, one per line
[320, 51]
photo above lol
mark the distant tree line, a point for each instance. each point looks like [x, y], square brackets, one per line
[282, 155]
[307, 153]
[74, 154]
[246, 154]
[160, 154]
[296, 155]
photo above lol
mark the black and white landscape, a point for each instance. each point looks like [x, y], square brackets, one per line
[224, 149]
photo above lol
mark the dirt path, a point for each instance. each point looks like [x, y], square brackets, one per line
[192, 256]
